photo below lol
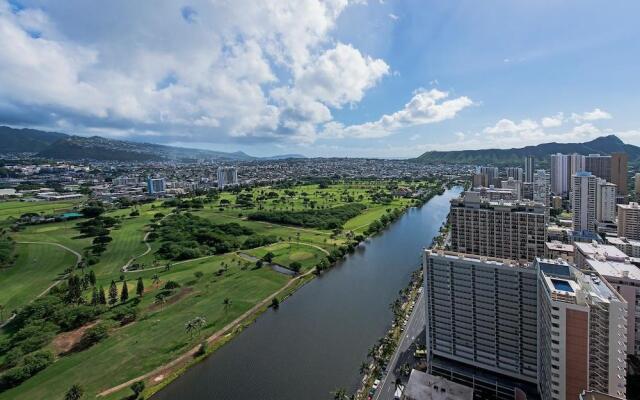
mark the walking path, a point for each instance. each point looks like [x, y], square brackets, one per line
[164, 370]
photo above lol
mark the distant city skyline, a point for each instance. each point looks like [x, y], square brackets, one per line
[323, 78]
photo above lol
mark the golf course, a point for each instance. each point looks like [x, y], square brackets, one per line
[136, 294]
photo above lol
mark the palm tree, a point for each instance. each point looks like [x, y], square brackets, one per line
[75, 392]
[363, 368]
[156, 280]
[227, 303]
[340, 394]
[189, 327]
[160, 300]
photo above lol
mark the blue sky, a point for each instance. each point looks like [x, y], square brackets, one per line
[386, 78]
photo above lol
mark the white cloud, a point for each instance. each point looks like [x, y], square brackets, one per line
[340, 75]
[552, 122]
[426, 107]
[596, 114]
[266, 70]
[508, 126]
[393, 16]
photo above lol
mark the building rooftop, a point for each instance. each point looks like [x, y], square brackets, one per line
[559, 246]
[568, 284]
[476, 258]
[616, 269]
[622, 241]
[631, 205]
[600, 251]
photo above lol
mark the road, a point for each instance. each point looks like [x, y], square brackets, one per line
[403, 353]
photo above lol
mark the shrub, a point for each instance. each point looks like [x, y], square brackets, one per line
[171, 285]
[32, 364]
[93, 335]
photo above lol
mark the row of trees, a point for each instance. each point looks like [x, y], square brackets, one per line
[331, 218]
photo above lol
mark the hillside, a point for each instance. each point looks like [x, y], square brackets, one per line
[67, 147]
[99, 148]
[498, 157]
[26, 140]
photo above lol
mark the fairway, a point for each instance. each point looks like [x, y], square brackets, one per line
[37, 267]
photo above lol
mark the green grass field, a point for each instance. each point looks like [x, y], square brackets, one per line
[158, 335]
[37, 267]
[17, 208]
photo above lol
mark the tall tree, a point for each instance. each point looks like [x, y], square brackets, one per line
[140, 287]
[74, 289]
[113, 293]
[92, 278]
[124, 295]
[102, 299]
[95, 297]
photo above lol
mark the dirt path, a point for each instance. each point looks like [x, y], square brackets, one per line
[165, 370]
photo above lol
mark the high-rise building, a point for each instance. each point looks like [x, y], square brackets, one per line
[529, 167]
[514, 185]
[482, 312]
[512, 230]
[583, 202]
[599, 165]
[559, 183]
[480, 180]
[629, 221]
[619, 170]
[156, 185]
[563, 167]
[636, 184]
[514, 172]
[605, 201]
[541, 187]
[227, 176]
[624, 277]
[491, 173]
[582, 341]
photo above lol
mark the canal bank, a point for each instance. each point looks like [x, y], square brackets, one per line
[316, 340]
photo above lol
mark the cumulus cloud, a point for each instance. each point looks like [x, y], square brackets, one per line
[594, 115]
[200, 72]
[508, 126]
[507, 133]
[426, 107]
[552, 122]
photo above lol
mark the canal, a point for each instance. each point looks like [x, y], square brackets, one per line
[317, 339]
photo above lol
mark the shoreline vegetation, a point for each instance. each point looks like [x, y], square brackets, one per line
[191, 250]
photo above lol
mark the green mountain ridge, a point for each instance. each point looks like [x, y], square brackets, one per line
[501, 157]
[61, 146]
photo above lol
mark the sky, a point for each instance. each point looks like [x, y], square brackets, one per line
[354, 78]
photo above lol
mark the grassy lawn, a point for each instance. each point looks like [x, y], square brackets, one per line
[17, 208]
[37, 267]
[286, 253]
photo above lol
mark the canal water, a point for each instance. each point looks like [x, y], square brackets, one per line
[315, 342]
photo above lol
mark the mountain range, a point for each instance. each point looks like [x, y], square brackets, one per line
[502, 157]
[54, 145]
